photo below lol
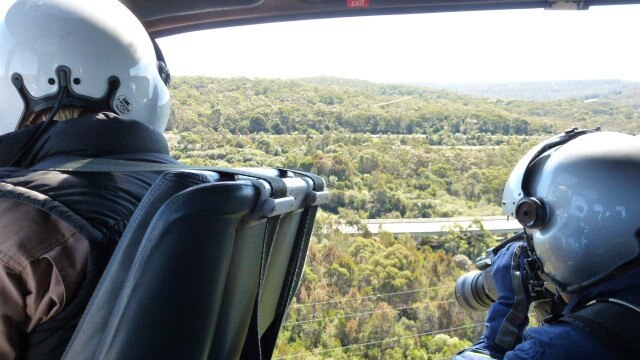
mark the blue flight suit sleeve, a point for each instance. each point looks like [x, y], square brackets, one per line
[549, 342]
[504, 336]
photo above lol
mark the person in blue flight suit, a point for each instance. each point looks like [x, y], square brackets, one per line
[576, 197]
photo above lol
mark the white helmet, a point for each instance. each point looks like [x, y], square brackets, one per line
[576, 196]
[95, 52]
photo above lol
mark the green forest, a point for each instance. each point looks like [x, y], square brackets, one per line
[386, 151]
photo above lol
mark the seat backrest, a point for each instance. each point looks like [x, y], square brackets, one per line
[184, 280]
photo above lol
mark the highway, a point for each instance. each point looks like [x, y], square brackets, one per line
[436, 226]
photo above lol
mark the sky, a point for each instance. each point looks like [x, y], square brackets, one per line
[468, 47]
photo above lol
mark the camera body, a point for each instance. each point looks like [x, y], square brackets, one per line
[476, 290]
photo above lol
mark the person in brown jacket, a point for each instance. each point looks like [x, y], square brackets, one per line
[77, 78]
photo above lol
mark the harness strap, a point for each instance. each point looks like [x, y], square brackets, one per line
[318, 182]
[81, 164]
[291, 281]
[615, 323]
[253, 347]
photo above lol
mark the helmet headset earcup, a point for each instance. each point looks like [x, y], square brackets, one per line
[163, 69]
[531, 212]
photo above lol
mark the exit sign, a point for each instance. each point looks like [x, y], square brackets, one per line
[358, 3]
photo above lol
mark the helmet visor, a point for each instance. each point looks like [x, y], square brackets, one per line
[574, 255]
[514, 189]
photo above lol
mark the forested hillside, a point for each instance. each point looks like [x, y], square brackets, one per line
[543, 90]
[387, 151]
[320, 105]
[388, 176]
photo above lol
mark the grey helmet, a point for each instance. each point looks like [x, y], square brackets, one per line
[575, 196]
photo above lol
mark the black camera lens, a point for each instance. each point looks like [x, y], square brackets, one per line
[470, 292]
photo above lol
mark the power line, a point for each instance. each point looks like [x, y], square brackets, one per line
[351, 353]
[371, 296]
[381, 341]
[367, 312]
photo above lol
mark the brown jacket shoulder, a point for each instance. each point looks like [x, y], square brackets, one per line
[42, 262]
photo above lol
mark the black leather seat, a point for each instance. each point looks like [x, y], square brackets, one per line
[184, 280]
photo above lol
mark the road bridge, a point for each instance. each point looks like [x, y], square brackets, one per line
[436, 226]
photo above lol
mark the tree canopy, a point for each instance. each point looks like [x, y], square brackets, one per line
[386, 151]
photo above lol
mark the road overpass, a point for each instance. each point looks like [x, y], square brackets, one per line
[436, 226]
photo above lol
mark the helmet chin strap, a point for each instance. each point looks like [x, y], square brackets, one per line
[45, 124]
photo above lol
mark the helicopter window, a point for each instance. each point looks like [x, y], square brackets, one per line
[415, 121]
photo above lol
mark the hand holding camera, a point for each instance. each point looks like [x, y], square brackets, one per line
[477, 290]
[506, 278]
